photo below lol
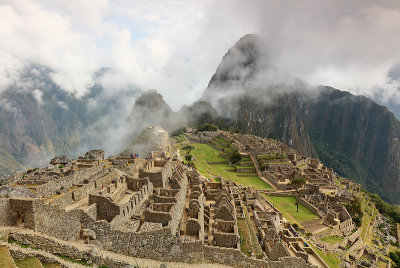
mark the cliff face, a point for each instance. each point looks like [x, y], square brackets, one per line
[32, 130]
[352, 134]
[38, 120]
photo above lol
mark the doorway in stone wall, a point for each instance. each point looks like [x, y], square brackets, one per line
[19, 218]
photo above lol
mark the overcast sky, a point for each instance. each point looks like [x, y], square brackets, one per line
[176, 46]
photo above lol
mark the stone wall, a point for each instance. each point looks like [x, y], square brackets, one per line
[69, 198]
[106, 208]
[347, 226]
[398, 232]
[177, 210]
[228, 240]
[278, 250]
[309, 206]
[312, 223]
[5, 215]
[235, 258]
[245, 170]
[92, 211]
[157, 216]
[57, 222]
[67, 182]
[25, 209]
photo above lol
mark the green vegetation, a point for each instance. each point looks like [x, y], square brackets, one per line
[28, 263]
[287, 205]
[221, 140]
[332, 239]
[395, 257]
[188, 148]
[204, 153]
[297, 182]
[207, 127]
[327, 257]
[256, 248]
[245, 244]
[61, 166]
[76, 261]
[51, 265]
[178, 132]
[9, 164]
[388, 210]
[355, 211]
[368, 217]
[5, 258]
[12, 241]
[234, 157]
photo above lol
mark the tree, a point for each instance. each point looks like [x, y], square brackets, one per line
[188, 148]
[178, 131]
[188, 157]
[235, 157]
[207, 127]
[297, 182]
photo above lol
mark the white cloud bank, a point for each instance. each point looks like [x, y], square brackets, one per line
[175, 46]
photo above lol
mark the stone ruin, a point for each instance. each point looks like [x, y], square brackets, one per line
[149, 208]
[160, 209]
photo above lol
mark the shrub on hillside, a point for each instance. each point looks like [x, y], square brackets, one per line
[234, 157]
[207, 127]
[388, 210]
[178, 131]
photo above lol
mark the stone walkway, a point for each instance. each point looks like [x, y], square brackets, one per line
[136, 262]
[40, 254]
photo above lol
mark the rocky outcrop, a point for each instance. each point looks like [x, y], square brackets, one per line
[60, 160]
[94, 155]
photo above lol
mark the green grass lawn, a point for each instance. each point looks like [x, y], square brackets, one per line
[332, 239]
[221, 140]
[51, 265]
[286, 205]
[256, 248]
[245, 243]
[28, 263]
[327, 257]
[204, 153]
[5, 258]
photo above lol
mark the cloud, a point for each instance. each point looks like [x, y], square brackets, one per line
[175, 47]
[63, 105]
[38, 95]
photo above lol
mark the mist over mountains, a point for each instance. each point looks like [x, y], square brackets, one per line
[352, 134]
[40, 120]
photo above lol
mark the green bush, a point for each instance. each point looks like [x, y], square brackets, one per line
[394, 257]
[234, 157]
[207, 127]
[388, 210]
[178, 131]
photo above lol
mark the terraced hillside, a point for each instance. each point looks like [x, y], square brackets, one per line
[211, 161]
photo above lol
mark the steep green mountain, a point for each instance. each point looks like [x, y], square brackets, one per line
[352, 134]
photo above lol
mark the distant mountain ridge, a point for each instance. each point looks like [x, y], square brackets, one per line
[352, 134]
[38, 120]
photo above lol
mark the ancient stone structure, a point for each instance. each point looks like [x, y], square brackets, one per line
[158, 208]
